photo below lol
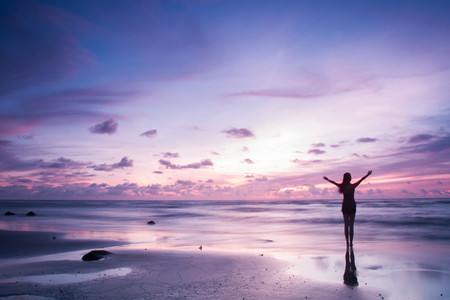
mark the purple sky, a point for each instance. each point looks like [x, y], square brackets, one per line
[223, 99]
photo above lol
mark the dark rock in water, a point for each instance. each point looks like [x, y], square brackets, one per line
[151, 223]
[95, 255]
[31, 213]
[9, 213]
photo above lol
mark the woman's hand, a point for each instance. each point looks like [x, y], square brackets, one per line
[370, 172]
[325, 177]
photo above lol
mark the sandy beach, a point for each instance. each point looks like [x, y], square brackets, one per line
[53, 269]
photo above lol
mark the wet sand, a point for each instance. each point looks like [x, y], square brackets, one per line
[53, 269]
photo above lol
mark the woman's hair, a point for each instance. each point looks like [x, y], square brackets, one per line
[345, 181]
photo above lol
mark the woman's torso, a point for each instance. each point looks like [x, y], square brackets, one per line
[348, 203]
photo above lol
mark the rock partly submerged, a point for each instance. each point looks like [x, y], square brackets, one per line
[29, 214]
[95, 255]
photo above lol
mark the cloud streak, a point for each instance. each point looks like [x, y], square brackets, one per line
[366, 140]
[150, 133]
[316, 151]
[203, 164]
[440, 144]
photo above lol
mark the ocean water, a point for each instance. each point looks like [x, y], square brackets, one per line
[290, 226]
[402, 246]
[235, 225]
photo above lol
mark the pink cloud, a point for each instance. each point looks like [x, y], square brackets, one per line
[248, 161]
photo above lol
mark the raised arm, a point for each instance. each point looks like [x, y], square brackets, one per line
[364, 177]
[331, 181]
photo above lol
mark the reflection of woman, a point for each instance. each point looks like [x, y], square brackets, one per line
[350, 268]
[348, 204]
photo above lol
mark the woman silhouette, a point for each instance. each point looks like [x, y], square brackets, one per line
[348, 204]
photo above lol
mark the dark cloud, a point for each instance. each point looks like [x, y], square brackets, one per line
[239, 133]
[318, 145]
[248, 161]
[366, 140]
[186, 183]
[62, 163]
[252, 178]
[79, 174]
[95, 185]
[124, 163]
[107, 127]
[316, 151]
[150, 133]
[204, 163]
[78, 191]
[123, 189]
[158, 172]
[357, 155]
[170, 154]
[438, 145]
[154, 189]
[420, 138]
[181, 187]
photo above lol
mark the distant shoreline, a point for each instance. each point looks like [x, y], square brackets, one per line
[225, 200]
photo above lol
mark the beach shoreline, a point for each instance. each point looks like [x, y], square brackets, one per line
[156, 274]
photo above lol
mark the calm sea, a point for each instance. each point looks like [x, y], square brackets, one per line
[236, 225]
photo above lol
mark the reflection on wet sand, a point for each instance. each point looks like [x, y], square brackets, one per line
[350, 268]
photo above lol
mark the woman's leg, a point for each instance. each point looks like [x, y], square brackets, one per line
[351, 222]
[346, 225]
